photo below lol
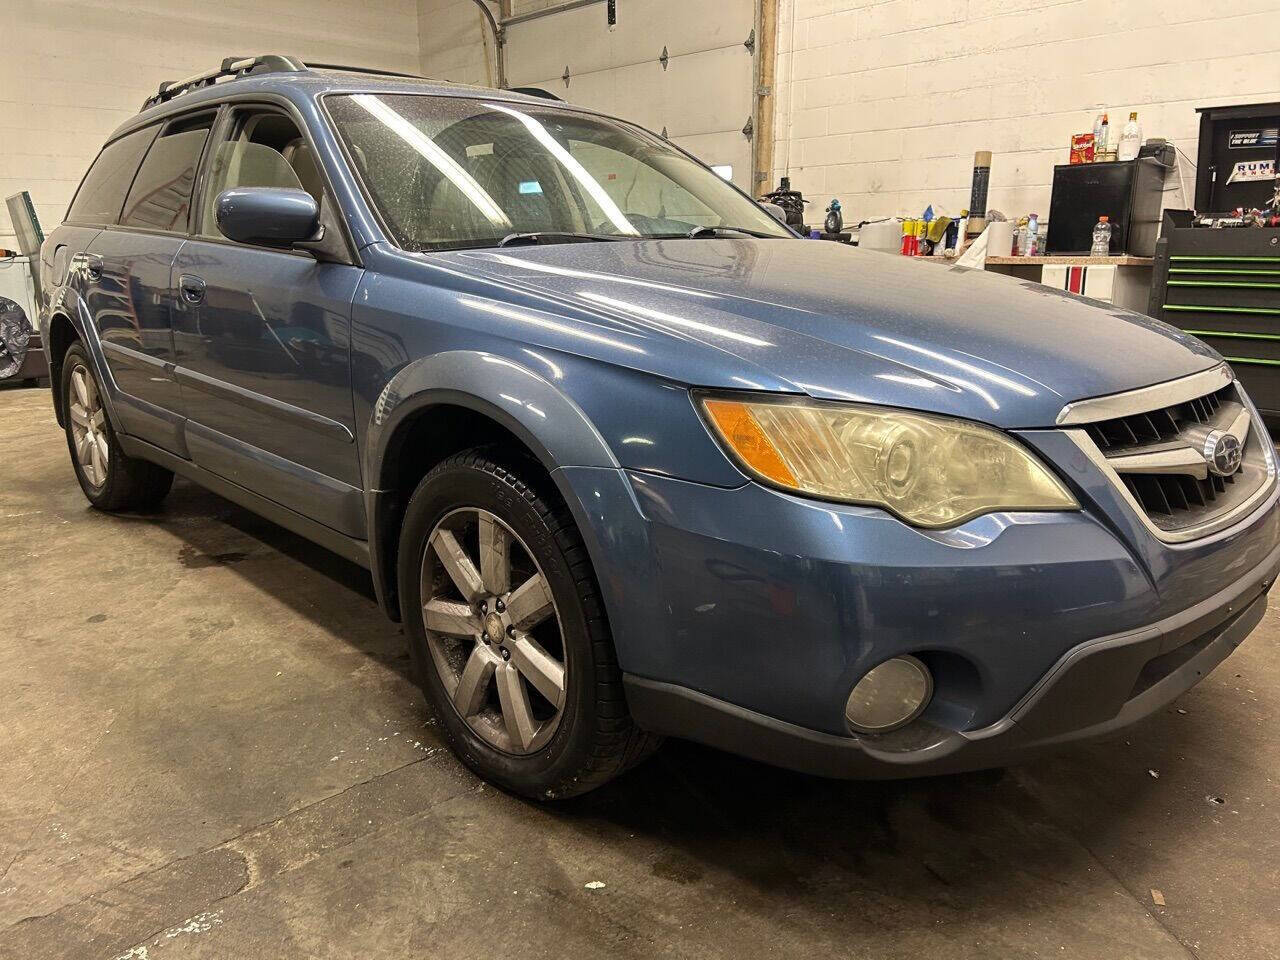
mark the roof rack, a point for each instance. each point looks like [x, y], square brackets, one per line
[231, 67]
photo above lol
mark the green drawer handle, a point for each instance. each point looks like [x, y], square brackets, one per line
[1238, 284]
[1193, 308]
[1234, 334]
[1253, 360]
[1226, 259]
[1223, 270]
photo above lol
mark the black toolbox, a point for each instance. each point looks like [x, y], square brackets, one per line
[1223, 286]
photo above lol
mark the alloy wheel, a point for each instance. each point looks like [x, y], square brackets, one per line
[88, 427]
[493, 631]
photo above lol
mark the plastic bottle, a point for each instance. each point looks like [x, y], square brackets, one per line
[835, 219]
[1033, 241]
[1130, 139]
[1101, 238]
[1100, 141]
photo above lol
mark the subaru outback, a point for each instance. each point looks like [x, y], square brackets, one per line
[630, 459]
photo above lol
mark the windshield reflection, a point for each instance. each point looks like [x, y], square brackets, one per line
[449, 173]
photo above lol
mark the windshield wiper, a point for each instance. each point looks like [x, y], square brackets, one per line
[537, 237]
[711, 233]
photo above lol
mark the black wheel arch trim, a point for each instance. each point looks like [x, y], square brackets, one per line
[70, 305]
[544, 418]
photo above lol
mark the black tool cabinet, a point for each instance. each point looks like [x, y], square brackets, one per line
[1223, 286]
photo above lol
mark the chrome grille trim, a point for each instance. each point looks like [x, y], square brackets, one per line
[1155, 397]
[1174, 456]
[1258, 446]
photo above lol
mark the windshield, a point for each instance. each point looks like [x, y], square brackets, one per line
[448, 173]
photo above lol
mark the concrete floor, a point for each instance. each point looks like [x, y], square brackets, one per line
[211, 749]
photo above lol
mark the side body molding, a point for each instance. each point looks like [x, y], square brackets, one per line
[545, 419]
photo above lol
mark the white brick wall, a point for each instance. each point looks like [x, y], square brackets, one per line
[884, 106]
[884, 103]
[72, 70]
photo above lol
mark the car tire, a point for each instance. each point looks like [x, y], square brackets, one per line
[110, 480]
[576, 735]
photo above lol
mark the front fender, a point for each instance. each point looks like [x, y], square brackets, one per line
[546, 420]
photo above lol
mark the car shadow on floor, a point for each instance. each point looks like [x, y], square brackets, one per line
[319, 585]
[953, 843]
[938, 846]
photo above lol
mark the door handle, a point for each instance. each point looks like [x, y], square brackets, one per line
[191, 287]
[93, 266]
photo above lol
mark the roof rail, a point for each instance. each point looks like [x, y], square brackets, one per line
[231, 67]
[372, 71]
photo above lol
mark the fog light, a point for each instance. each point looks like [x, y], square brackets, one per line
[889, 696]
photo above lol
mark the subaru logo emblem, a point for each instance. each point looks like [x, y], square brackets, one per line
[1223, 453]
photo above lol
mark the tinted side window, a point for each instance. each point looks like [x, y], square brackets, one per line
[265, 150]
[161, 194]
[101, 193]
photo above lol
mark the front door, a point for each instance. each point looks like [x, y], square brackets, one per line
[262, 340]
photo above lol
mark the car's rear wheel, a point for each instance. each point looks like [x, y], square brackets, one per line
[508, 632]
[110, 479]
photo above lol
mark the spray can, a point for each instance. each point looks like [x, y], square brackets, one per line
[953, 234]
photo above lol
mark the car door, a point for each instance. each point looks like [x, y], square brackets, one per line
[262, 337]
[128, 272]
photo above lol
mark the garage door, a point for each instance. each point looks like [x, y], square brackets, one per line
[703, 95]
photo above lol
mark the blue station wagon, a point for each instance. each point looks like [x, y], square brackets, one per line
[627, 457]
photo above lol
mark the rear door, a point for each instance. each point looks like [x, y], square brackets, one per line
[97, 204]
[263, 337]
[129, 265]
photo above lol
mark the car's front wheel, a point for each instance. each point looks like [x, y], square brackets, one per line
[109, 478]
[508, 632]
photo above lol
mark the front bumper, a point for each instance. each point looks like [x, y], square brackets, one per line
[1094, 690]
[744, 616]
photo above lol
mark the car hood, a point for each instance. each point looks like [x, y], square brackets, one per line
[842, 324]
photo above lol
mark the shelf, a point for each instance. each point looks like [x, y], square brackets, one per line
[1125, 261]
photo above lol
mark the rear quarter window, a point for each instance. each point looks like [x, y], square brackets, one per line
[102, 192]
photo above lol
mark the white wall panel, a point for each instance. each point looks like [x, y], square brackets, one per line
[454, 43]
[73, 70]
[541, 47]
[883, 102]
[703, 98]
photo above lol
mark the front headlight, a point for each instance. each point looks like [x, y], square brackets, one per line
[930, 471]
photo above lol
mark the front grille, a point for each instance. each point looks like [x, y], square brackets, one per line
[1158, 456]
[1170, 493]
[1157, 425]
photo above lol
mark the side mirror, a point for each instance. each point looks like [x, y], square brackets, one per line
[776, 212]
[269, 216]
